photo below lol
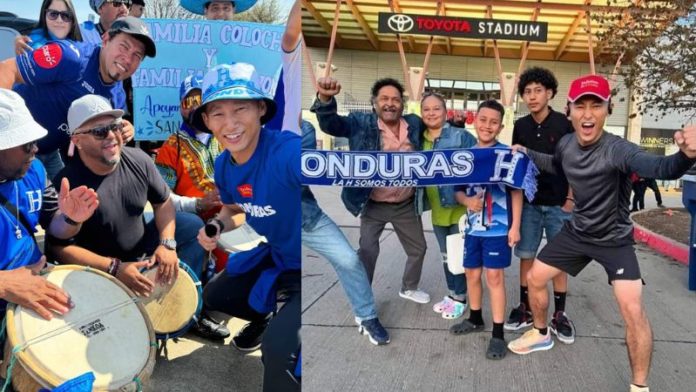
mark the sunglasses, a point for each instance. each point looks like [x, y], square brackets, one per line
[118, 3]
[29, 147]
[191, 101]
[100, 133]
[53, 15]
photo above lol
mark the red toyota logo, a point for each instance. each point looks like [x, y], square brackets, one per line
[48, 56]
[245, 190]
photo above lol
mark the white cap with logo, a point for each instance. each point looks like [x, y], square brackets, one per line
[88, 107]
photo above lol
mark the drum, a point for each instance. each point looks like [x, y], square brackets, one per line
[174, 308]
[107, 333]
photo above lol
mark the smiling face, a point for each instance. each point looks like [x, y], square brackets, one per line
[236, 125]
[488, 124]
[120, 57]
[59, 28]
[103, 154]
[389, 105]
[433, 112]
[588, 114]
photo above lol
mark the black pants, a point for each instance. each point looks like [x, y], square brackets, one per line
[638, 195]
[281, 341]
[652, 184]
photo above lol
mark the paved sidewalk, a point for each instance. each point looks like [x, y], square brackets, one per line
[423, 356]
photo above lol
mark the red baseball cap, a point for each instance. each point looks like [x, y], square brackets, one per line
[589, 85]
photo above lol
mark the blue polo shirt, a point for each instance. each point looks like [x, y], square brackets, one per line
[267, 188]
[54, 76]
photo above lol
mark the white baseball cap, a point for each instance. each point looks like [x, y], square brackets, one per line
[88, 107]
[17, 126]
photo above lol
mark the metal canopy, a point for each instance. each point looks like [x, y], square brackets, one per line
[567, 36]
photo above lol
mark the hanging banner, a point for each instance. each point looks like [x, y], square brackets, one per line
[514, 30]
[367, 169]
[186, 47]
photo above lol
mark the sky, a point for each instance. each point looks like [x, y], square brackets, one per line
[30, 8]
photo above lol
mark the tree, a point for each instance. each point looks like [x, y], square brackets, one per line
[657, 42]
[167, 9]
[265, 11]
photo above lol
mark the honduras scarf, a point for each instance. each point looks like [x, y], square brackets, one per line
[368, 169]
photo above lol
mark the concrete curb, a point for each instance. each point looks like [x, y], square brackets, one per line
[661, 244]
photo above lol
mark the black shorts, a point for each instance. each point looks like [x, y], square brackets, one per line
[570, 255]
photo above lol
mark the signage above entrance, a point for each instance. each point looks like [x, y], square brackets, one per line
[462, 27]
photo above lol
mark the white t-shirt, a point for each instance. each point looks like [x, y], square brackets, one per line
[292, 79]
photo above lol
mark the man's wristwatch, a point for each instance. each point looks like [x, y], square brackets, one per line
[169, 243]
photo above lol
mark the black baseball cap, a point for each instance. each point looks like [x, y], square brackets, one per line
[138, 29]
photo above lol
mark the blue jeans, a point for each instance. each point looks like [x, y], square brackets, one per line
[188, 249]
[455, 283]
[329, 241]
[536, 219]
[53, 164]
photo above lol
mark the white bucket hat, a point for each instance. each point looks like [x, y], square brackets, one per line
[17, 126]
[88, 107]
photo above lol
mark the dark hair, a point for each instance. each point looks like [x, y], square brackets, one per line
[436, 95]
[538, 75]
[387, 82]
[73, 34]
[207, 4]
[492, 104]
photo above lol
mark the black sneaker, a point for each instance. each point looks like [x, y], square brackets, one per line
[208, 328]
[374, 329]
[519, 318]
[563, 328]
[249, 337]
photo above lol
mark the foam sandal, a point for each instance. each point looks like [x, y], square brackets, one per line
[497, 348]
[454, 311]
[465, 327]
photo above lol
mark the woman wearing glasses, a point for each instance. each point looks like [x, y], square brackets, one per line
[446, 212]
[57, 21]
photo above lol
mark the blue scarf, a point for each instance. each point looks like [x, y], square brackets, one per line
[367, 169]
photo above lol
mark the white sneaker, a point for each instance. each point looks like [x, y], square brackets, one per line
[417, 296]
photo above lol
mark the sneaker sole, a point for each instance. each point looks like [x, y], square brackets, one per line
[531, 350]
[246, 350]
[561, 338]
[363, 331]
[513, 327]
[412, 299]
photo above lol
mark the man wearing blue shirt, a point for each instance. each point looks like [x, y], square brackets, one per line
[258, 176]
[52, 77]
[108, 11]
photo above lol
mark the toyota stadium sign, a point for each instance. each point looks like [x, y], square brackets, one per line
[462, 27]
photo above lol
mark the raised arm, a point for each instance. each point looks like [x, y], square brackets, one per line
[9, 73]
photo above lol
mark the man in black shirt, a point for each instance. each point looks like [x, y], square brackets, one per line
[540, 131]
[597, 165]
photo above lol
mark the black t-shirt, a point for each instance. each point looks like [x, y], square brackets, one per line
[116, 229]
[552, 189]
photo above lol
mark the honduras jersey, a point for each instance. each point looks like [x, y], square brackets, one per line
[267, 188]
[55, 75]
[15, 252]
[492, 220]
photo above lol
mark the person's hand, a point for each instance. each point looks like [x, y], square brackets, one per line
[209, 243]
[686, 140]
[23, 286]
[474, 203]
[128, 131]
[22, 44]
[78, 204]
[209, 201]
[568, 206]
[168, 262]
[513, 237]
[129, 274]
[327, 88]
[518, 148]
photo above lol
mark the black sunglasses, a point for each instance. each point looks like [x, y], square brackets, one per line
[100, 133]
[118, 3]
[29, 147]
[53, 15]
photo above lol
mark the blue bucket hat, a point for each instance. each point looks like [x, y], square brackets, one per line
[191, 82]
[238, 81]
[198, 6]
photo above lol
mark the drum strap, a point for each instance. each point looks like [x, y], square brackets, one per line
[13, 211]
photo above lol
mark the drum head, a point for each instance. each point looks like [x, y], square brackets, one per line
[105, 333]
[172, 307]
